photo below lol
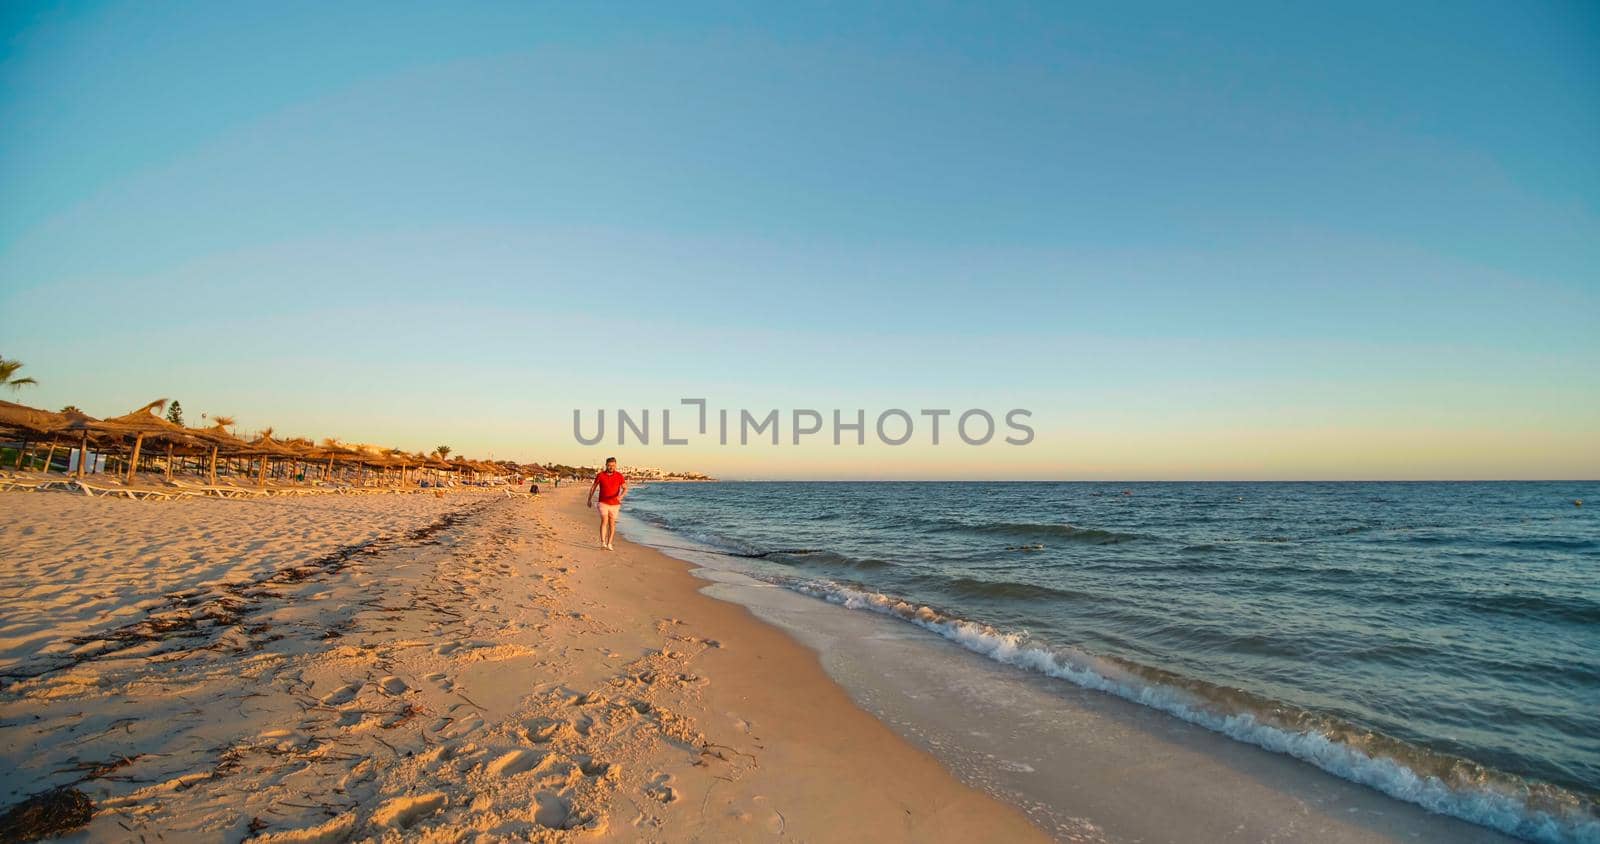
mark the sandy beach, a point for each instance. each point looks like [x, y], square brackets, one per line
[459, 668]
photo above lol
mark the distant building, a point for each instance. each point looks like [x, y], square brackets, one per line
[652, 473]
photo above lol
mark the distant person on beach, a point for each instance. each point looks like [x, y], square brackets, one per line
[613, 487]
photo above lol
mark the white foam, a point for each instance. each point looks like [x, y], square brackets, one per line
[1503, 808]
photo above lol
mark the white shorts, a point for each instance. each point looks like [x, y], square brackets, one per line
[609, 510]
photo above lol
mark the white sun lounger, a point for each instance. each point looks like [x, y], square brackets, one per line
[218, 491]
[138, 493]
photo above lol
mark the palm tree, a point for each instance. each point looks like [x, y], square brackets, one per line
[443, 451]
[71, 408]
[8, 372]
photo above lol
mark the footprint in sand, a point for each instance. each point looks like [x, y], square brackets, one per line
[555, 812]
[285, 740]
[404, 812]
[334, 829]
[512, 763]
[592, 767]
[441, 681]
[468, 757]
[449, 648]
[342, 695]
[660, 789]
[552, 811]
[773, 821]
[546, 730]
[401, 716]
[769, 818]
[449, 728]
[362, 771]
[393, 685]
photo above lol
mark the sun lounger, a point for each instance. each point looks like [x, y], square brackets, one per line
[217, 491]
[138, 493]
[31, 481]
[293, 490]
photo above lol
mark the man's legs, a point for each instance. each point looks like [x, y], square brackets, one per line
[608, 524]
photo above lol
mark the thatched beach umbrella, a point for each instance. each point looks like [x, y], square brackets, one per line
[219, 438]
[30, 421]
[27, 421]
[142, 424]
[76, 422]
[303, 450]
[438, 467]
[265, 447]
[408, 462]
[20, 417]
[435, 465]
[398, 459]
[365, 456]
[331, 450]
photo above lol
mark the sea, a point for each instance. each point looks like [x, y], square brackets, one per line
[1438, 642]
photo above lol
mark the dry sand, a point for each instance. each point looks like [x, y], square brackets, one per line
[408, 667]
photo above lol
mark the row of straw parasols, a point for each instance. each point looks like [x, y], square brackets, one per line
[144, 433]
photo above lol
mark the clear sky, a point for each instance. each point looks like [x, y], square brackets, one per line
[1268, 241]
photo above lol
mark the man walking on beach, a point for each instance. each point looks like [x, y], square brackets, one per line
[613, 487]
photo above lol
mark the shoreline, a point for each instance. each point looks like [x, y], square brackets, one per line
[1083, 763]
[818, 745]
[474, 667]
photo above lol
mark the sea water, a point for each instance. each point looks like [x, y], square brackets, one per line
[1439, 642]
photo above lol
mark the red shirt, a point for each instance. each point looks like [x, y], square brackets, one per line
[610, 485]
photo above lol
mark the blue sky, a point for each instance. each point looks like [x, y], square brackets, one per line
[1263, 241]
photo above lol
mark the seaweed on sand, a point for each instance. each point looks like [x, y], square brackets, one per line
[47, 814]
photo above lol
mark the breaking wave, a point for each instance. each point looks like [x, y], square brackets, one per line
[1441, 783]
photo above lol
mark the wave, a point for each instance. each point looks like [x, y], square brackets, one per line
[1439, 782]
[1462, 540]
[1548, 544]
[821, 558]
[972, 587]
[1034, 530]
[652, 517]
[1550, 608]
